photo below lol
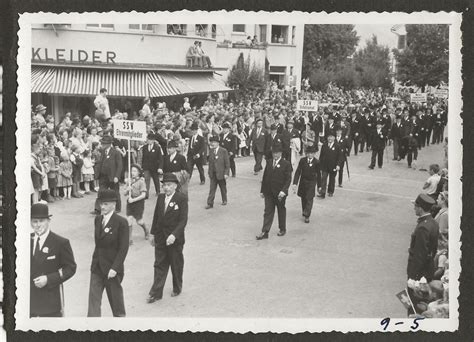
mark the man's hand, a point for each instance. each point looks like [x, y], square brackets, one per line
[41, 281]
[116, 180]
[160, 171]
[337, 168]
[226, 176]
[411, 283]
[262, 195]
[130, 200]
[231, 154]
[152, 241]
[281, 195]
[111, 274]
[170, 240]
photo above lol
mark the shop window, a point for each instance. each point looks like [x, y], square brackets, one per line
[102, 26]
[239, 28]
[176, 29]
[141, 27]
[279, 34]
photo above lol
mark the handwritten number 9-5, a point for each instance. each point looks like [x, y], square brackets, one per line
[386, 322]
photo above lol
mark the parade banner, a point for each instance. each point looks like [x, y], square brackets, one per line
[441, 93]
[130, 130]
[307, 105]
[418, 97]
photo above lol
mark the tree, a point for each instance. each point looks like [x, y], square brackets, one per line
[245, 76]
[425, 60]
[327, 46]
[373, 65]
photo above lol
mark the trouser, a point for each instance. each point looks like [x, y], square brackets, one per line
[206, 60]
[152, 174]
[428, 136]
[198, 163]
[306, 205]
[363, 142]
[324, 182]
[258, 161]
[166, 257]
[357, 141]
[396, 144]
[377, 152]
[213, 187]
[272, 201]
[412, 154]
[52, 314]
[114, 292]
[104, 184]
[420, 139]
[442, 133]
[232, 164]
[340, 174]
[436, 135]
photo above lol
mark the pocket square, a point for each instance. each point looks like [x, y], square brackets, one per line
[51, 257]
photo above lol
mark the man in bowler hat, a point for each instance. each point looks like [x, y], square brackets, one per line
[52, 263]
[308, 174]
[219, 166]
[258, 139]
[229, 141]
[196, 153]
[275, 183]
[167, 230]
[111, 247]
[423, 245]
[152, 163]
[109, 168]
[330, 159]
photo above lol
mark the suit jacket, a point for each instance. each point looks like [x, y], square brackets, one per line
[219, 164]
[196, 147]
[423, 246]
[331, 157]
[173, 221]
[397, 132]
[379, 139]
[259, 143]
[330, 129]
[309, 175]
[355, 126]
[111, 245]
[110, 164]
[276, 179]
[56, 261]
[161, 141]
[152, 160]
[367, 124]
[277, 139]
[178, 163]
[343, 145]
[229, 143]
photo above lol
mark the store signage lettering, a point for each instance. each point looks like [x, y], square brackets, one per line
[66, 55]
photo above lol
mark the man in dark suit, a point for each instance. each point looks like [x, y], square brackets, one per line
[169, 220]
[343, 143]
[423, 245]
[229, 142]
[176, 163]
[396, 134]
[219, 166]
[196, 153]
[109, 168]
[52, 263]
[152, 163]
[367, 125]
[330, 159]
[275, 183]
[309, 175]
[111, 247]
[355, 131]
[258, 138]
[378, 146]
[273, 139]
[412, 131]
[330, 126]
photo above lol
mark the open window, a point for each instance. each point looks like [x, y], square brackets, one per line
[279, 34]
[176, 29]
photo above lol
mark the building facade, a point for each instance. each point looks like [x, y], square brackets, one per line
[71, 62]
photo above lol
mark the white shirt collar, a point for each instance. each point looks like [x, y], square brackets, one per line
[107, 217]
[42, 240]
[169, 197]
[173, 155]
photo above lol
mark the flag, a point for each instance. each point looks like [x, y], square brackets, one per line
[404, 298]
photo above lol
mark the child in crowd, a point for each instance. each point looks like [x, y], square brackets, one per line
[45, 195]
[77, 163]
[37, 172]
[65, 175]
[136, 193]
[87, 171]
[431, 183]
[95, 156]
[53, 168]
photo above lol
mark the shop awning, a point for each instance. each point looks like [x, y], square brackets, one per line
[197, 83]
[120, 83]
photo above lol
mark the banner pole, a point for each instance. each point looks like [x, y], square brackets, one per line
[129, 169]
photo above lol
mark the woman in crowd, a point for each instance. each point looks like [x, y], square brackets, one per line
[65, 175]
[37, 172]
[443, 222]
[136, 192]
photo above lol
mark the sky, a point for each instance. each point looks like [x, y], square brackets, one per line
[384, 36]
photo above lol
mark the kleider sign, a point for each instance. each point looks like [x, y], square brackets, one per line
[75, 56]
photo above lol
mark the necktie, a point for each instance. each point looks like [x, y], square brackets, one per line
[103, 222]
[167, 201]
[149, 148]
[258, 132]
[37, 247]
[215, 151]
[274, 163]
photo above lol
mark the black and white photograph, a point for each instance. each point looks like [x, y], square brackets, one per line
[235, 171]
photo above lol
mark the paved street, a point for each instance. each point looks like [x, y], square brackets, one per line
[350, 261]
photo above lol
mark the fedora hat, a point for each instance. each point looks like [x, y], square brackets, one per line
[170, 177]
[107, 196]
[214, 138]
[194, 126]
[107, 139]
[173, 143]
[40, 211]
[311, 149]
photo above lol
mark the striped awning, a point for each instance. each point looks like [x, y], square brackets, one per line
[120, 83]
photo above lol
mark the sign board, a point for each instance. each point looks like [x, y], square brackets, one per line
[441, 93]
[130, 130]
[418, 97]
[307, 105]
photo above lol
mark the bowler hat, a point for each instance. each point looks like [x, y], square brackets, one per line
[194, 126]
[225, 125]
[173, 143]
[107, 139]
[259, 119]
[311, 149]
[277, 148]
[150, 136]
[214, 138]
[273, 127]
[107, 195]
[170, 177]
[424, 201]
[40, 107]
[40, 211]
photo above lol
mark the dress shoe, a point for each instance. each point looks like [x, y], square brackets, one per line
[340, 185]
[371, 167]
[209, 206]
[380, 167]
[152, 299]
[321, 196]
[262, 236]
[94, 212]
[281, 233]
[394, 158]
[330, 194]
[224, 203]
[202, 183]
[306, 220]
[174, 294]
[76, 196]
[255, 173]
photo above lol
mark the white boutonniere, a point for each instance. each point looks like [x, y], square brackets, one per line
[174, 161]
[176, 207]
[45, 250]
[106, 230]
[172, 204]
[310, 165]
[262, 133]
[217, 157]
[332, 148]
[278, 165]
